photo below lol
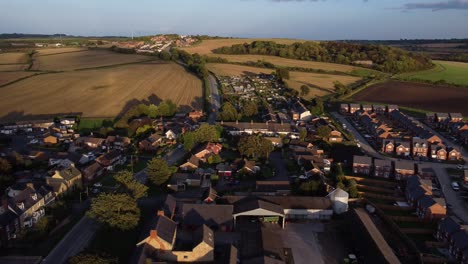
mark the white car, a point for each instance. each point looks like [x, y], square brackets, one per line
[455, 186]
[97, 184]
[460, 167]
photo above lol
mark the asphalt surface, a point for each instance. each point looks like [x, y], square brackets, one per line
[281, 171]
[74, 242]
[302, 239]
[215, 100]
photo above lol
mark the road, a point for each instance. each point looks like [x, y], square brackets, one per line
[215, 100]
[281, 174]
[74, 242]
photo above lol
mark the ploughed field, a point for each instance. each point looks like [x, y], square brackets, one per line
[319, 84]
[417, 95]
[102, 92]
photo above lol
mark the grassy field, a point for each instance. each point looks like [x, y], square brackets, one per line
[320, 84]
[83, 59]
[449, 71]
[13, 58]
[284, 62]
[7, 77]
[206, 46]
[101, 92]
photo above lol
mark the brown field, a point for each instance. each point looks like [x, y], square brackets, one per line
[13, 58]
[417, 95]
[7, 77]
[13, 67]
[84, 59]
[284, 62]
[206, 46]
[320, 84]
[100, 92]
[50, 51]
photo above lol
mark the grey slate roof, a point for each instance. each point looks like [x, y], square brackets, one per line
[209, 214]
[362, 160]
[166, 228]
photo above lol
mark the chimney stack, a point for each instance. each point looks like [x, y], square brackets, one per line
[160, 213]
[153, 234]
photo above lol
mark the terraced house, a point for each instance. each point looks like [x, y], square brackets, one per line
[362, 165]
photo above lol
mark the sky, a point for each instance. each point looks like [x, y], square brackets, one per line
[300, 19]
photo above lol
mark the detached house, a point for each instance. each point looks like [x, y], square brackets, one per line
[382, 168]
[404, 169]
[438, 152]
[353, 108]
[388, 146]
[453, 154]
[379, 109]
[118, 142]
[111, 158]
[429, 209]
[93, 171]
[456, 117]
[89, 142]
[27, 205]
[362, 165]
[216, 216]
[65, 180]
[335, 136]
[420, 147]
[192, 164]
[402, 148]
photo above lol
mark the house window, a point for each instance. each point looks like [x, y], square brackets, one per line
[185, 257]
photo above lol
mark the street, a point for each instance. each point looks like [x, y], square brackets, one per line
[276, 160]
[74, 242]
[215, 100]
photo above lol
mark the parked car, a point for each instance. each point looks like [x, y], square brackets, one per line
[455, 186]
[97, 185]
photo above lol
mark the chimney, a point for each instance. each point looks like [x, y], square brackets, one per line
[160, 213]
[153, 234]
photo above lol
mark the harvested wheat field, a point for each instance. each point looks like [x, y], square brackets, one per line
[284, 62]
[206, 46]
[8, 77]
[101, 92]
[13, 67]
[83, 60]
[320, 84]
[417, 95]
[13, 58]
[51, 51]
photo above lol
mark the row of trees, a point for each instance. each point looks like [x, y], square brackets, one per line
[230, 113]
[165, 108]
[384, 58]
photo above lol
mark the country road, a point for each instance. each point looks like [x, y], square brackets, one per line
[215, 103]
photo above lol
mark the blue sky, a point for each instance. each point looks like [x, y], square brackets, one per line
[304, 19]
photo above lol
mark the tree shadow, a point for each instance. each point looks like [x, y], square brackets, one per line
[16, 116]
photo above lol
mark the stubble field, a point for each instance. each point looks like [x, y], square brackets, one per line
[7, 77]
[417, 95]
[100, 92]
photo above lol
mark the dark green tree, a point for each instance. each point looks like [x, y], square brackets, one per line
[115, 211]
[255, 147]
[282, 74]
[229, 112]
[305, 90]
[131, 186]
[249, 108]
[5, 166]
[302, 133]
[324, 132]
[158, 171]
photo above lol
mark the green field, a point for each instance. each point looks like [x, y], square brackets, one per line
[449, 71]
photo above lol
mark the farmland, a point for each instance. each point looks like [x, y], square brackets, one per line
[50, 51]
[320, 84]
[13, 67]
[101, 92]
[7, 77]
[13, 58]
[449, 71]
[417, 95]
[83, 59]
[206, 46]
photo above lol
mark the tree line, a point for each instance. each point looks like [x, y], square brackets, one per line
[384, 58]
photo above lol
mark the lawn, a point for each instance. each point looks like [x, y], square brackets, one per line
[102, 93]
[92, 124]
[449, 71]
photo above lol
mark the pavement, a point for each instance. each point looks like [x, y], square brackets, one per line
[74, 242]
[215, 100]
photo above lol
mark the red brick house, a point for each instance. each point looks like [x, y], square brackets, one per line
[402, 148]
[429, 209]
[453, 154]
[420, 147]
[93, 171]
[404, 169]
[438, 152]
[354, 108]
[382, 168]
[362, 165]
[195, 115]
[388, 146]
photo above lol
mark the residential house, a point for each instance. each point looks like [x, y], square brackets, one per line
[438, 152]
[272, 188]
[335, 136]
[379, 109]
[415, 189]
[458, 244]
[456, 117]
[208, 150]
[216, 216]
[382, 168]
[388, 146]
[404, 169]
[402, 148]
[170, 206]
[192, 164]
[111, 158]
[344, 108]
[162, 235]
[224, 170]
[300, 112]
[298, 145]
[353, 108]
[441, 117]
[420, 147]
[367, 108]
[171, 135]
[65, 180]
[195, 115]
[267, 128]
[93, 171]
[453, 154]
[50, 140]
[201, 252]
[89, 142]
[118, 141]
[151, 143]
[275, 141]
[447, 228]
[429, 209]
[362, 165]
[391, 108]
[27, 205]
[249, 167]
[178, 181]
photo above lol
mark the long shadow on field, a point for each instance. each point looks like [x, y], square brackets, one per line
[16, 116]
[152, 99]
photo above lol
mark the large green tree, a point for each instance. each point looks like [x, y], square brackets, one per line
[229, 112]
[249, 108]
[133, 187]
[324, 132]
[254, 146]
[305, 90]
[302, 133]
[158, 171]
[116, 211]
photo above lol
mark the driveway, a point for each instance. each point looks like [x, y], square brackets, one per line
[215, 100]
[277, 161]
[302, 239]
[74, 242]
